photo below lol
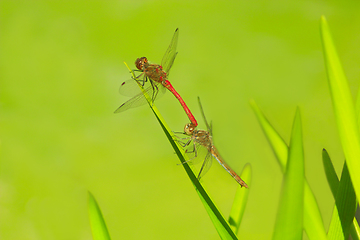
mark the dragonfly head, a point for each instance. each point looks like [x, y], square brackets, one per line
[189, 129]
[141, 63]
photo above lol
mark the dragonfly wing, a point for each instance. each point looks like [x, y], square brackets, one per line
[162, 90]
[131, 87]
[194, 151]
[209, 128]
[170, 53]
[136, 101]
[205, 166]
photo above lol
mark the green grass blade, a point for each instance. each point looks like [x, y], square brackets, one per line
[345, 207]
[221, 225]
[331, 176]
[97, 222]
[277, 143]
[240, 200]
[334, 186]
[357, 107]
[343, 106]
[355, 230]
[289, 222]
[313, 223]
[216, 217]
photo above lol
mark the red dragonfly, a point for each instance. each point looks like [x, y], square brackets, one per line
[157, 76]
[198, 139]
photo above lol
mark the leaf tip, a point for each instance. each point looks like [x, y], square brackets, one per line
[253, 104]
[298, 114]
[323, 22]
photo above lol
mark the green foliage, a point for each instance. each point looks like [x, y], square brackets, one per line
[216, 217]
[343, 106]
[289, 221]
[277, 144]
[343, 220]
[240, 200]
[345, 207]
[97, 222]
[60, 70]
[347, 123]
[313, 223]
[331, 176]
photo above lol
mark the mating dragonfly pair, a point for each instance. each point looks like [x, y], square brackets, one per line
[156, 76]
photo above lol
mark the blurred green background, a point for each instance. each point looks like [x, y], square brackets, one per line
[61, 67]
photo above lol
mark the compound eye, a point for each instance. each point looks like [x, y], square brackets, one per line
[189, 129]
[139, 63]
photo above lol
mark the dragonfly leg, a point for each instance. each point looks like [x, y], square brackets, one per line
[187, 161]
[182, 138]
[206, 161]
[141, 78]
[184, 144]
[179, 132]
[193, 150]
[201, 169]
[155, 91]
[185, 138]
[180, 142]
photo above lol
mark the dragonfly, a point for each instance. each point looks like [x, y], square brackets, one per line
[157, 77]
[197, 139]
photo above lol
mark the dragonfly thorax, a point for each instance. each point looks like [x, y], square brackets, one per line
[203, 138]
[155, 72]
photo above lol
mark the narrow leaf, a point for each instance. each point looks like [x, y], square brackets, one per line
[221, 225]
[345, 207]
[336, 230]
[240, 200]
[331, 176]
[355, 230]
[343, 106]
[357, 107]
[216, 217]
[97, 222]
[277, 143]
[313, 223]
[289, 222]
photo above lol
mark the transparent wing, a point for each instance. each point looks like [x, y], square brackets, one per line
[205, 166]
[139, 99]
[196, 153]
[130, 87]
[209, 127]
[170, 53]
